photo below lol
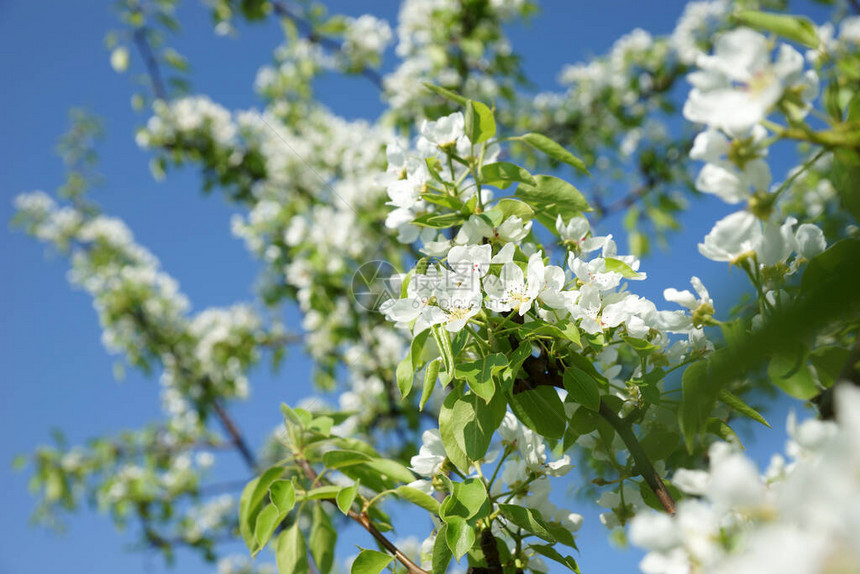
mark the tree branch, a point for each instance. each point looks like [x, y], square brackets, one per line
[536, 369]
[150, 61]
[622, 203]
[235, 435]
[640, 458]
[364, 520]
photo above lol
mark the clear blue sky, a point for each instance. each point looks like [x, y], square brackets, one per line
[57, 373]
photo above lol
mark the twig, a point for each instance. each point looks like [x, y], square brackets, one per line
[622, 203]
[151, 63]
[235, 435]
[364, 520]
[640, 458]
[535, 367]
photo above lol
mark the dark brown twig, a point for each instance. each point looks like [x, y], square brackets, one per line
[235, 435]
[640, 458]
[151, 63]
[536, 369]
[364, 520]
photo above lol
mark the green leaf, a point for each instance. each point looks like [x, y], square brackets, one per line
[528, 519]
[448, 430]
[250, 504]
[584, 421]
[447, 94]
[439, 220]
[552, 149]
[651, 499]
[845, 174]
[719, 428]
[480, 124]
[431, 373]
[510, 207]
[391, 469]
[283, 495]
[553, 196]
[582, 388]
[418, 498]
[335, 459]
[441, 553]
[468, 500]
[699, 396]
[515, 361]
[619, 266]
[267, 520]
[561, 534]
[502, 174]
[459, 536]
[406, 368]
[660, 444]
[481, 374]
[322, 541]
[292, 554]
[432, 166]
[791, 373]
[246, 529]
[475, 422]
[828, 363]
[322, 424]
[371, 562]
[737, 404]
[842, 256]
[175, 60]
[298, 417]
[795, 28]
[541, 410]
[553, 554]
[443, 342]
[446, 201]
[648, 384]
[327, 492]
[641, 346]
[346, 496]
[561, 330]
[570, 332]
[492, 217]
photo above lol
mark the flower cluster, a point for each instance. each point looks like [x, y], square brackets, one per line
[738, 85]
[449, 44]
[800, 514]
[523, 472]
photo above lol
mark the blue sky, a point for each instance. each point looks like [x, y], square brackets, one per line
[57, 373]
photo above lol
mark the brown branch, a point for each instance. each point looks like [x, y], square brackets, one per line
[491, 554]
[150, 61]
[640, 458]
[364, 520]
[536, 369]
[622, 203]
[235, 435]
[249, 458]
